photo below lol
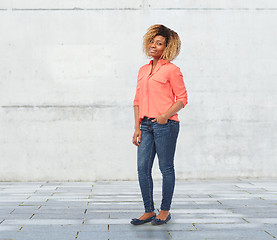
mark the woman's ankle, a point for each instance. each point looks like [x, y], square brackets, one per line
[147, 215]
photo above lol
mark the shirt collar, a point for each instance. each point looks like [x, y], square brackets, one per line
[160, 62]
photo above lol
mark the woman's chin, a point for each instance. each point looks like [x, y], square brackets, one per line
[155, 56]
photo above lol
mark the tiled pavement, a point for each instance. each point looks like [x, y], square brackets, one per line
[201, 209]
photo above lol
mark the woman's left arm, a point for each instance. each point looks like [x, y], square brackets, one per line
[176, 107]
[179, 90]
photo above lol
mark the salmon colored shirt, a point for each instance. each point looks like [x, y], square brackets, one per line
[156, 93]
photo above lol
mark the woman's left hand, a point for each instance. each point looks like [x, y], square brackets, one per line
[162, 119]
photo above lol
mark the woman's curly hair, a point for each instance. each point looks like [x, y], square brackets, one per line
[173, 42]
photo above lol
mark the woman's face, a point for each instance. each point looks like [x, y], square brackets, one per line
[157, 46]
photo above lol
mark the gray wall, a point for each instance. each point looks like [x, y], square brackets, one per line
[68, 74]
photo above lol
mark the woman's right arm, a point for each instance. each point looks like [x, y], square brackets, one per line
[137, 133]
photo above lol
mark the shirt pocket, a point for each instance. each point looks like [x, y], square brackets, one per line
[139, 82]
[159, 84]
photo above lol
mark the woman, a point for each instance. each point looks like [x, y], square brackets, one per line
[160, 94]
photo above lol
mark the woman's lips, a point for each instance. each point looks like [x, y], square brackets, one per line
[152, 51]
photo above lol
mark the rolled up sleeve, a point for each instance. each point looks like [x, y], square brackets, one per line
[136, 99]
[178, 86]
[136, 102]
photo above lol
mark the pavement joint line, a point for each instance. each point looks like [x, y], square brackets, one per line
[193, 224]
[245, 220]
[20, 228]
[270, 234]
[12, 211]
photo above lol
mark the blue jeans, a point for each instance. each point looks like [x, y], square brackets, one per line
[160, 139]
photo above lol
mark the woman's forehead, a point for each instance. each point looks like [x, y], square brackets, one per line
[159, 37]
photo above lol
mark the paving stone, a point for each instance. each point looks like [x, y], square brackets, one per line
[226, 235]
[59, 211]
[115, 206]
[66, 228]
[45, 235]
[97, 215]
[58, 216]
[127, 215]
[18, 216]
[7, 228]
[134, 235]
[85, 235]
[9, 235]
[50, 221]
[262, 220]
[150, 227]
[208, 220]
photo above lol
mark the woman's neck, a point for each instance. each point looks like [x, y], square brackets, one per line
[154, 63]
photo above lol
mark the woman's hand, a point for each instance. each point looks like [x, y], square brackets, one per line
[162, 119]
[137, 137]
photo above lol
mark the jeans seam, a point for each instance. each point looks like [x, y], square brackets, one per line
[149, 164]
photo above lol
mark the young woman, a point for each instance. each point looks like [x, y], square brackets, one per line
[160, 94]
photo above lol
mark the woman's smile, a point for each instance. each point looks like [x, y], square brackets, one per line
[153, 51]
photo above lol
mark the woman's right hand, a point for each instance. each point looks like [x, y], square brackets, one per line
[137, 137]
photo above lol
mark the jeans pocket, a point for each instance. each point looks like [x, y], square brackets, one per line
[163, 124]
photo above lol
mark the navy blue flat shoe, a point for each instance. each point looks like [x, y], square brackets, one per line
[136, 221]
[157, 221]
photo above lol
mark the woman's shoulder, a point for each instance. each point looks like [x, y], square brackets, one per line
[143, 68]
[171, 67]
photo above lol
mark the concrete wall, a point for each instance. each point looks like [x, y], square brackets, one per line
[68, 75]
